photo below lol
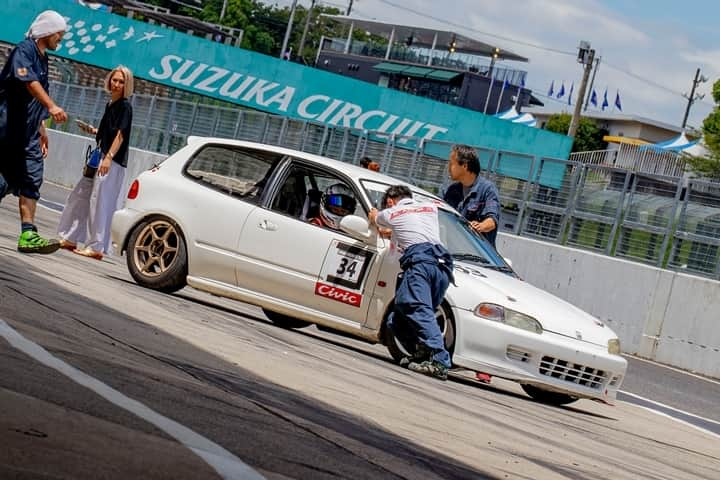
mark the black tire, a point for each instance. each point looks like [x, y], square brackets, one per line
[285, 321]
[548, 397]
[157, 256]
[447, 327]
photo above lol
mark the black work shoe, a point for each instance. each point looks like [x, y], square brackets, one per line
[430, 368]
[421, 354]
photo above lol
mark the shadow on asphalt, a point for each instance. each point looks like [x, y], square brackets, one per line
[270, 427]
[322, 335]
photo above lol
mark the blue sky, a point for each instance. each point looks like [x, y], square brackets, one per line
[650, 49]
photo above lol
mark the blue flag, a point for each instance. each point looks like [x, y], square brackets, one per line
[605, 102]
[572, 87]
[593, 98]
[561, 92]
[617, 101]
[552, 88]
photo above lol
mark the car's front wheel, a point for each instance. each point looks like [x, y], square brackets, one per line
[157, 255]
[284, 321]
[546, 396]
[447, 327]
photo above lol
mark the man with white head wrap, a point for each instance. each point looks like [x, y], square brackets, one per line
[24, 105]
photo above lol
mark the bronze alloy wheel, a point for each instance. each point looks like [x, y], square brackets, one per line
[155, 248]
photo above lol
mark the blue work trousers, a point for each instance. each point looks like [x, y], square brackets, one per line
[420, 292]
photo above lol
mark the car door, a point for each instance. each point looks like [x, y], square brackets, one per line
[228, 184]
[316, 269]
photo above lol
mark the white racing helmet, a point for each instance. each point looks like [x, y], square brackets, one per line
[337, 201]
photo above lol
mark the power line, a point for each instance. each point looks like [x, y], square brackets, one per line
[539, 47]
[464, 27]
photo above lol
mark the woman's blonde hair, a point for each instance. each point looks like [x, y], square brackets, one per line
[129, 81]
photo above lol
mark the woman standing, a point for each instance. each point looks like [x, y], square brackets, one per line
[89, 209]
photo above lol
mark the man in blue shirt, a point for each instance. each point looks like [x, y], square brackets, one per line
[24, 105]
[475, 197]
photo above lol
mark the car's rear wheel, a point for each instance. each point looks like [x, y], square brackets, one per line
[157, 255]
[285, 321]
[546, 396]
[447, 327]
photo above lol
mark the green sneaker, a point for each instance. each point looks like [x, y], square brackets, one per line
[31, 242]
[430, 368]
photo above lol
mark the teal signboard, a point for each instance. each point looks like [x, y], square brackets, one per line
[265, 83]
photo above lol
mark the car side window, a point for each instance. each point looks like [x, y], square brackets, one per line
[239, 172]
[303, 191]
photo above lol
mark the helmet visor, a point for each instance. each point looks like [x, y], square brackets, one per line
[339, 203]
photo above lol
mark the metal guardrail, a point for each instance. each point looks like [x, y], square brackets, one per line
[644, 217]
[635, 158]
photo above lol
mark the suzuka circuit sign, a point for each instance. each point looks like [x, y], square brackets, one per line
[254, 80]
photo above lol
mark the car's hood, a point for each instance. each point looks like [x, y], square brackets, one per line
[476, 285]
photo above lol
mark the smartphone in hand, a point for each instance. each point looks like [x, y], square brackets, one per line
[86, 127]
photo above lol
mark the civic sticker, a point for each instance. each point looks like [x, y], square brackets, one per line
[338, 294]
[346, 266]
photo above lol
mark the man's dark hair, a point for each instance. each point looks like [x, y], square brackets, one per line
[396, 192]
[365, 162]
[467, 155]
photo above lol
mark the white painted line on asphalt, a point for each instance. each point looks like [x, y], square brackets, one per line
[224, 462]
[700, 377]
[708, 432]
[44, 207]
[668, 407]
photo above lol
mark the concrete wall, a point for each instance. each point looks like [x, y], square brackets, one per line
[67, 156]
[658, 314]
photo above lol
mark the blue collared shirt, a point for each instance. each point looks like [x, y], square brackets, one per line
[481, 202]
[25, 64]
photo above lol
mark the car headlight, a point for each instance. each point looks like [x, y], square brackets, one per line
[498, 313]
[614, 346]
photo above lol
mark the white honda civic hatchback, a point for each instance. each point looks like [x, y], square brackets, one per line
[246, 221]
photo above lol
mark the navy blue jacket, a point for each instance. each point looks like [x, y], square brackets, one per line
[483, 201]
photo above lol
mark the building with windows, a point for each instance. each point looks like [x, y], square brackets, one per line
[441, 65]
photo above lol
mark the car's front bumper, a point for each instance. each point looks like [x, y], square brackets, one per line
[547, 360]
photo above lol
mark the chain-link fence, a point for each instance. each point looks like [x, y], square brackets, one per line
[659, 220]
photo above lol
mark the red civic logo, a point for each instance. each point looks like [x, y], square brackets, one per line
[338, 294]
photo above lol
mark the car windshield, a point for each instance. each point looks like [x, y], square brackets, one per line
[461, 241]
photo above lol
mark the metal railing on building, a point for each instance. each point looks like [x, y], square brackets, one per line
[661, 220]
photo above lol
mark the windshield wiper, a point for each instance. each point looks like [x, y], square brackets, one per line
[500, 268]
[470, 257]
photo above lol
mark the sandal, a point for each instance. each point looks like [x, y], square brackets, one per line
[89, 252]
[64, 244]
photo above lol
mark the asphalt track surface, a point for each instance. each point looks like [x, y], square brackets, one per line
[100, 378]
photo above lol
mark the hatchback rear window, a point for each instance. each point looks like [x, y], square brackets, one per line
[237, 171]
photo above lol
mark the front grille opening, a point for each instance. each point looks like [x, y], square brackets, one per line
[518, 354]
[572, 372]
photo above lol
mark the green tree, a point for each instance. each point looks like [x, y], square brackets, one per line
[709, 166]
[589, 136]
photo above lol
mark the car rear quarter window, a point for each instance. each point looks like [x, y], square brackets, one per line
[240, 172]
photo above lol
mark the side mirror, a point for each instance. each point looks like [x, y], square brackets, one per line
[356, 227]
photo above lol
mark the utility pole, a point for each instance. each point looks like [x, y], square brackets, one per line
[592, 83]
[692, 98]
[305, 29]
[586, 56]
[347, 14]
[288, 29]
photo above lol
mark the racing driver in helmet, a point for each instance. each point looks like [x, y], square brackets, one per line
[336, 202]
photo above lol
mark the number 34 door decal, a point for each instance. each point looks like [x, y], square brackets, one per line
[343, 273]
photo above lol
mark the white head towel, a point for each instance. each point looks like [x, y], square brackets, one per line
[47, 23]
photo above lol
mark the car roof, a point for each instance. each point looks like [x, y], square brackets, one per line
[356, 172]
